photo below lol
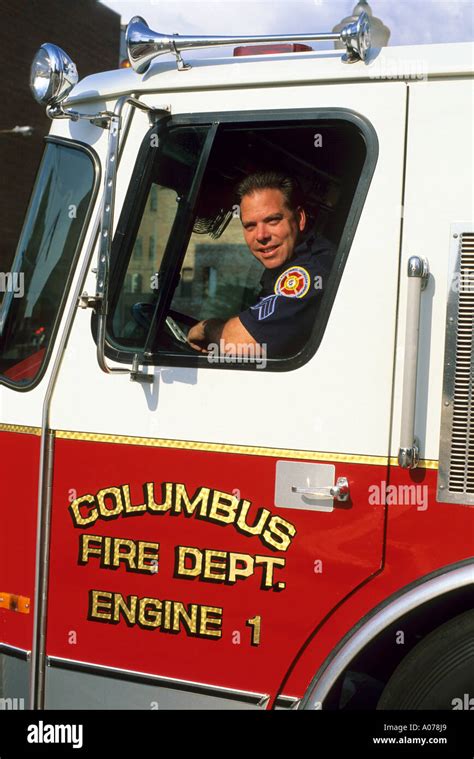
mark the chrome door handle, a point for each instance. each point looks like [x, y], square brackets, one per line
[418, 273]
[339, 491]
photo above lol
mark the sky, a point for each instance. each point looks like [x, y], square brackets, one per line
[410, 21]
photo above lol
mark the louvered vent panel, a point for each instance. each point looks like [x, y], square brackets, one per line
[456, 480]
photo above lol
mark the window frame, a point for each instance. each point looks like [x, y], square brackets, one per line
[96, 166]
[127, 221]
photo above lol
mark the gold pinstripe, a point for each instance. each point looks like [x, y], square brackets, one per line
[288, 453]
[20, 428]
[245, 450]
[424, 463]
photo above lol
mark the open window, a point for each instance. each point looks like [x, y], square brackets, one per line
[180, 255]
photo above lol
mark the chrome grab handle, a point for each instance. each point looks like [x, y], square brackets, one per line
[418, 273]
[339, 491]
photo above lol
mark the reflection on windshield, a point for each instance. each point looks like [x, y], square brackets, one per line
[134, 299]
[45, 252]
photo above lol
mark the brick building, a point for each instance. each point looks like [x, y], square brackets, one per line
[90, 33]
[217, 276]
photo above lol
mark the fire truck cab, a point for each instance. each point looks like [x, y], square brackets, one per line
[231, 530]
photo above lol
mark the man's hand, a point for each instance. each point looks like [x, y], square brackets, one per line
[203, 333]
[232, 332]
[197, 337]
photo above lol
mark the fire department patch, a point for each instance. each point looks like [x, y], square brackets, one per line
[293, 283]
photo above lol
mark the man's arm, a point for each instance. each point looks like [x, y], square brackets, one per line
[232, 332]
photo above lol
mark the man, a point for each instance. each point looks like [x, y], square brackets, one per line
[296, 264]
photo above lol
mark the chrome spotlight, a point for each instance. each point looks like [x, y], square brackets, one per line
[53, 75]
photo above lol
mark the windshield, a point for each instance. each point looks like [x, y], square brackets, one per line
[37, 286]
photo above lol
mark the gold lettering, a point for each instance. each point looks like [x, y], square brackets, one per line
[120, 607]
[211, 562]
[210, 621]
[107, 547]
[283, 536]
[129, 508]
[223, 507]
[167, 615]
[86, 549]
[127, 555]
[256, 529]
[115, 494]
[77, 517]
[200, 498]
[245, 569]
[149, 612]
[196, 558]
[189, 620]
[151, 504]
[269, 563]
[147, 552]
[100, 604]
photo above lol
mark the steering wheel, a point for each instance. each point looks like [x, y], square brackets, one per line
[171, 333]
[176, 332]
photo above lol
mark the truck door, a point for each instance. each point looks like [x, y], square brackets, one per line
[208, 516]
[38, 295]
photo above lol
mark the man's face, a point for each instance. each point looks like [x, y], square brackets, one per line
[270, 227]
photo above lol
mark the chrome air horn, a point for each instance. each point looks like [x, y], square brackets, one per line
[143, 44]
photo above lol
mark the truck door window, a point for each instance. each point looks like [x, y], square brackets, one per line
[219, 277]
[129, 323]
[135, 288]
[54, 225]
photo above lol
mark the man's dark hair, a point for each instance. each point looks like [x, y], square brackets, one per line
[272, 180]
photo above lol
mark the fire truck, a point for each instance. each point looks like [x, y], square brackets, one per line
[185, 530]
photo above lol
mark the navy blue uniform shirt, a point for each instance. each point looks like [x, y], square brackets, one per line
[290, 295]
